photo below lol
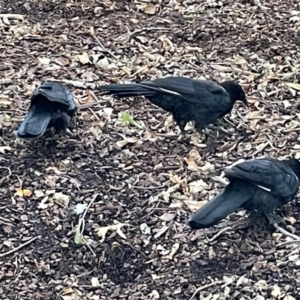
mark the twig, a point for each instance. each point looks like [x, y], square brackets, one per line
[146, 29]
[261, 148]
[19, 247]
[94, 114]
[88, 105]
[88, 207]
[219, 233]
[288, 242]
[201, 288]
[102, 46]
[219, 179]
[81, 224]
[12, 16]
[93, 96]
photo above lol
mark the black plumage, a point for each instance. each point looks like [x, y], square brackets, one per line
[52, 105]
[201, 101]
[260, 185]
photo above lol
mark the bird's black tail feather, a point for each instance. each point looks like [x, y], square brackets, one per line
[223, 204]
[127, 90]
[35, 124]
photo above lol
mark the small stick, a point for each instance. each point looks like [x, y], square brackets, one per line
[12, 16]
[102, 46]
[219, 179]
[201, 288]
[219, 233]
[261, 148]
[288, 242]
[94, 96]
[88, 105]
[19, 247]
[147, 29]
[81, 224]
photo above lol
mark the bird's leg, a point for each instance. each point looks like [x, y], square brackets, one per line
[274, 219]
[184, 135]
[219, 128]
[207, 133]
[227, 121]
[182, 125]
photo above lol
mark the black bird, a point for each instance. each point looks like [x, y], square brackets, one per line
[201, 101]
[259, 185]
[52, 105]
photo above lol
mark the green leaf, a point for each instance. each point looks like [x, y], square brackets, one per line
[78, 238]
[127, 118]
[37, 173]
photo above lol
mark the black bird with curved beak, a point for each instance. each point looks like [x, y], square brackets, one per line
[259, 185]
[201, 101]
[52, 105]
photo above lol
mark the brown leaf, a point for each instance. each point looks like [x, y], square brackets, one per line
[149, 9]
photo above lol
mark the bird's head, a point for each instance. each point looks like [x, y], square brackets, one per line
[235, 91]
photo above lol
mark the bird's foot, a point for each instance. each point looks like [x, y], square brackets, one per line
[274, 219]
[68, 132]
[208, 133]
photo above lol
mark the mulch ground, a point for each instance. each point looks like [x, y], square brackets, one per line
[144, 181]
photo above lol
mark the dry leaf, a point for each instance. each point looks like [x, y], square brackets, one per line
[276, 291]
[121, 144]
[61, 199]
[83, 58]
[67, 290]
[102, 231]
[5, 101]
[145, 229]
[167, 217]
[289, 297]
[149, 9]
[192, 166]
[23, 193]
[4, 148]
[194, 205]
[295, 86]
[39, 193]
[173, 251]
[95, 282]
[197, 186]
[43, 61]
[161, 231]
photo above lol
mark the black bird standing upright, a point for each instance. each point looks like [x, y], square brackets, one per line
[52, 104]
[259, 185]
[201, 101]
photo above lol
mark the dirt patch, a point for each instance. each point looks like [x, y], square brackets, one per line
[146, 178]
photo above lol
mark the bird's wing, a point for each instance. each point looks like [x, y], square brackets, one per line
[235, 195]
[271, 175]
[55, 92]
[176, 86]
[206, 93]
